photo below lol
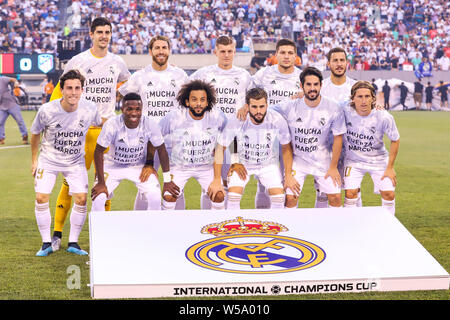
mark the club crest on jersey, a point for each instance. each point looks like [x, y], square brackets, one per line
[373, 130]
[322, 121]
[236, 81]
[249, 246]
[141, 140]
[173, 83]
[111, 69]
[81, 123]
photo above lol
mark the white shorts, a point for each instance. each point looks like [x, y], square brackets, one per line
[203, 176]
[353, 177]
[76, 177]
[114, 175]
[324, 185]
[340, 168]
[269, 176]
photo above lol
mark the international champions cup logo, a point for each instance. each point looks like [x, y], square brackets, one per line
[253, 247]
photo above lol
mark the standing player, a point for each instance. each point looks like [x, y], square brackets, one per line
[230, 82]
[158, 85]
[337, 86]
[281, 81]
[258, 140]
[364, 147]
[102, 70]
[127, 136]
[64, 124]
[312, 119]
[192, 133]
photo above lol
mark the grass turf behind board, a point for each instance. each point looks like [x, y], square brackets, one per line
[422, 200]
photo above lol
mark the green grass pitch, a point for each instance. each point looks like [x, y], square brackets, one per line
[423, 198]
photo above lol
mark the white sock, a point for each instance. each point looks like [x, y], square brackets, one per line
[180, 204]
[43, 219]
[234, 200]
[262, 199]
[350, 203]
[277, 201]
[321, 200]
[77, 218]
[359, 204]
[205, 202]
[390, 205]
[99, 203]
[140, 203]
[218, 205]
[153, 199]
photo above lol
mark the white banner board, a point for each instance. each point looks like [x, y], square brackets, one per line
[138, 254]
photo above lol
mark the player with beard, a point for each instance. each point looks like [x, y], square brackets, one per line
[281, 81]
[103, 70]
[192, 132]
[231, 84]
[311, 120]
[158, 85]
[258, 139]
[337, 86]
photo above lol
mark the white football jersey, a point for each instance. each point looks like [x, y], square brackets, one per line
[231, 86]
[339, 93]
[158, 89]
[102, 76]
[258, 145]
[310, 130]
[64, 133]
[279, 86]
[363, 141]
[128, 146]
[192, 142]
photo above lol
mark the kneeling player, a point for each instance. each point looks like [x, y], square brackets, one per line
[258, 138]
[365, 150]
[64, 124]
[192, 133]
[127, 136]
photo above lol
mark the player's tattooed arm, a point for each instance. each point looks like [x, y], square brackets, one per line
[100, 187]
[216, 186]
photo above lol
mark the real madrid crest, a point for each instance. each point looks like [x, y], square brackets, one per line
[253, 247]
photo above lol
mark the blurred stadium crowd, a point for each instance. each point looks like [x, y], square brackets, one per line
[378, 35]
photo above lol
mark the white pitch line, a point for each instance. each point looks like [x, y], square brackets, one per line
[14, 147]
